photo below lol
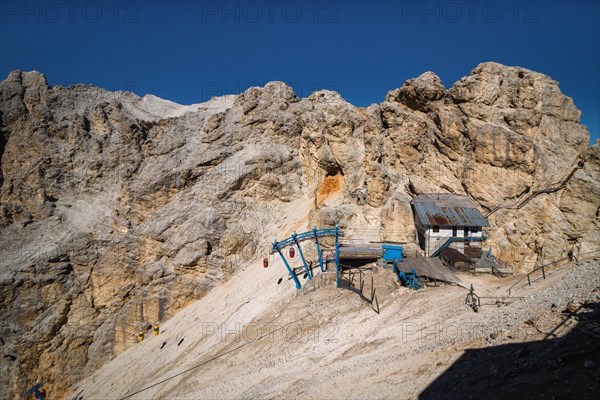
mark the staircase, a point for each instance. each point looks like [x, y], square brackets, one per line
[525, 200]
[446, 240]
[490, 264]
[441, 243]
[561, 185]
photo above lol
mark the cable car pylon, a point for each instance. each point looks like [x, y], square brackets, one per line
[296, 238]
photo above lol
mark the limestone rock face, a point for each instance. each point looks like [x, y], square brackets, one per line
[117, 211]
[580, 205]
[417, 93]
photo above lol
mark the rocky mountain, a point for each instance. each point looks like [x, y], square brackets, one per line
[118, 210]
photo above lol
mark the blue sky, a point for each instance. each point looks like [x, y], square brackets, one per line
[189, 51]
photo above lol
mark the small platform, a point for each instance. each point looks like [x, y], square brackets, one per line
[362, 252]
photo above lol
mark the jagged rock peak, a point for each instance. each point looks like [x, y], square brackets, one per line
[28, 79]
[493, 84]
[274, 89]
[326, 96]
[109, 201]
[416, 93]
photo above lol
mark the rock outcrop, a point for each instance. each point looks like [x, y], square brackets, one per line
[117, 210]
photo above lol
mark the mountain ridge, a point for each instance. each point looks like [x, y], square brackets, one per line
[108, 219]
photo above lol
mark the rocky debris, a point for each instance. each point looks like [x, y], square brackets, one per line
[407, 339]
[573, 307]
[543, 362]
[118, 210]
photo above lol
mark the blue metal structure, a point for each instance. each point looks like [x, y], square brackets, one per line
[410, 280]
[37, 391]
[391, 252]
[390, 255]
[337, 260]
[316, 235]
[296, 238]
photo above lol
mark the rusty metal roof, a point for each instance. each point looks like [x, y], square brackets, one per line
[447, 209]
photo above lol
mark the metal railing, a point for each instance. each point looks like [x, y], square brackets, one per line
[442, 241]
[496, 272]
[447, 240]
[561, 185]
[544, 268]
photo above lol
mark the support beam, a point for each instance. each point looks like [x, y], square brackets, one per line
[295, 237]
[287, 266]
[337, 258]
[313, 234]
[318, 249]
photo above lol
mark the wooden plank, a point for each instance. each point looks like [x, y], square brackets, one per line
[429, 267]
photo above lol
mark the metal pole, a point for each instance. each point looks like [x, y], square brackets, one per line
[372, 289]
[543, 273]
[318, 249]
[302, 257]
[294, 277]
[337, 258]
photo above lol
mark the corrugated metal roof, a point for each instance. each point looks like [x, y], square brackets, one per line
[451, 210]
[444, 199]
[429, 267]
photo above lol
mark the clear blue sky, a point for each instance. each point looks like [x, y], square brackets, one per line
[189, 51]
